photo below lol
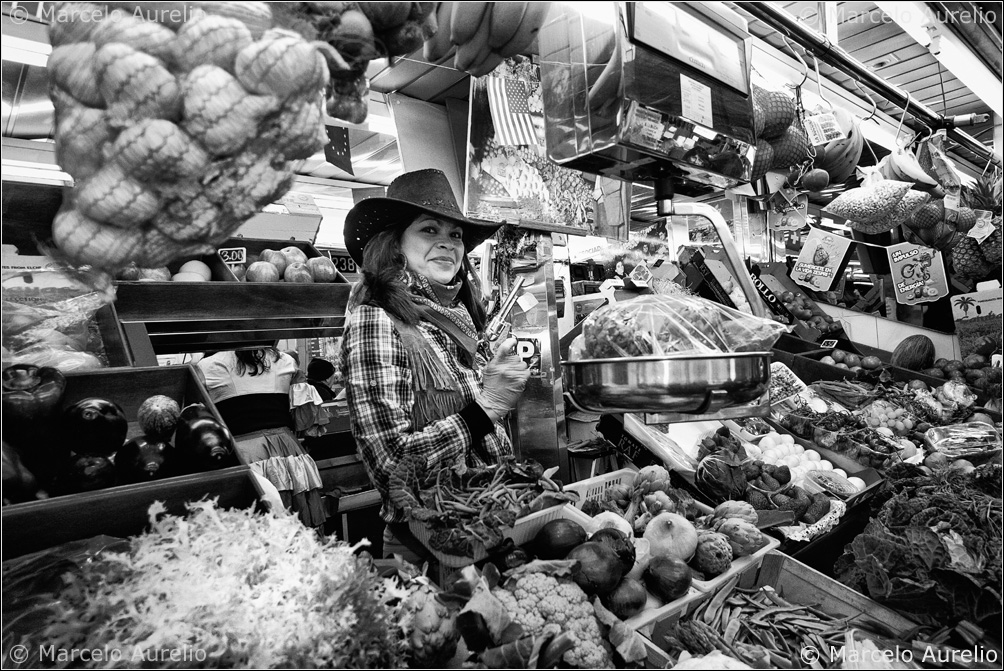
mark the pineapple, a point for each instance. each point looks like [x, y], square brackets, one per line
[968, 259]
[986, 195]
[928, 216]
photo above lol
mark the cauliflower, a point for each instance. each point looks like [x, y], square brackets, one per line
[542, 602]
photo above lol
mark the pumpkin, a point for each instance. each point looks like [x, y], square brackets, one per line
[914, 353]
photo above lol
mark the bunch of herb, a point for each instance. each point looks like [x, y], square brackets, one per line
[933, 551]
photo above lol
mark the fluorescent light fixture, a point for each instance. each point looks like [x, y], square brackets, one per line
[28, 52]
[18, 171]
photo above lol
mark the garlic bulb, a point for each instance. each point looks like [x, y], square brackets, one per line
[70, 67]
[81, 132]
[219, 113]
[209, 39]
[149, 37]
[157, 150]
[85, 241]
[112, 197]
[299, 129]
[137, 84]
[281, 65]
[73, 22]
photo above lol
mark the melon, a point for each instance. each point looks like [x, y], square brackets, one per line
[763, 160]
[791, 148]
[914, 353]
[777, 112]
[158, 416]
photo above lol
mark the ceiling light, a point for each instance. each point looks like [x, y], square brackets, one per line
[28, 52]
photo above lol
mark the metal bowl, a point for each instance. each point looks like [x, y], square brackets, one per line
[694, 384]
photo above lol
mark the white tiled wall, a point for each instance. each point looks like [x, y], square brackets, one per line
[886, 334]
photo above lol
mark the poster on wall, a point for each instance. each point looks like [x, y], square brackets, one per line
[978, 321]
[508, 173]
[918, 273]
[820, 260]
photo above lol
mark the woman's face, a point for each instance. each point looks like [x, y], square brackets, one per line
[433, 248]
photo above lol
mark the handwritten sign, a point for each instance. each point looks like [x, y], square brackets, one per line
[234, 255]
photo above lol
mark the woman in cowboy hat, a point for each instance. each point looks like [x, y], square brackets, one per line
[419, 380]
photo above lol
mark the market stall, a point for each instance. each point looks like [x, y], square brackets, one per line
[747, 439]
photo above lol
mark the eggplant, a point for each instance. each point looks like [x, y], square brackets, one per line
[202, 440]
[31, 393]
[143, 459]
[94, 426]
[88, 472]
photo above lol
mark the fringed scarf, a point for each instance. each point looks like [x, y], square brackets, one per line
[437, 394]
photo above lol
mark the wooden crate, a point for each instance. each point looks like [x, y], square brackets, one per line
[220, 271]
[38, 524]
[800, 584]
[255, 246]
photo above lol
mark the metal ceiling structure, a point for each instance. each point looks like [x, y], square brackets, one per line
[856, 42]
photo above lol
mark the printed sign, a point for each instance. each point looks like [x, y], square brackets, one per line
[983, 228]
[774, 303]
[918, 273]
[234, 255]
[787, 216]
[528, 349]
[695, 100]
[344, 263]
[821, 257]
[822, 128]
[978, 320]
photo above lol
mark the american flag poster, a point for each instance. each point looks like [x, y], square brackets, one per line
[509, 101]
[509, 176]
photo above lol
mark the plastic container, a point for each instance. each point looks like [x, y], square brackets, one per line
[833, 484]
[973, 441]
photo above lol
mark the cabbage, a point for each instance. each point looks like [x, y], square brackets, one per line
[721, 477]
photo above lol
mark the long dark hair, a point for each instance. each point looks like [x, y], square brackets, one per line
[383, 265]
[255, 361]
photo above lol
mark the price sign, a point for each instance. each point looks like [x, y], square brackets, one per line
[234, 255]
[828, 344]
[344, 263]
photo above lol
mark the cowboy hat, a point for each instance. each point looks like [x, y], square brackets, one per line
[408, 196]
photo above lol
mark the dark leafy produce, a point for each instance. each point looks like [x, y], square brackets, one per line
[143, 459]
[87, 473]
[617, 541]
[202, 440]
[721, 477]
[94, 426]
[933, 551]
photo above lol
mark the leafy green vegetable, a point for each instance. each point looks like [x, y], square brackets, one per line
[934, 548]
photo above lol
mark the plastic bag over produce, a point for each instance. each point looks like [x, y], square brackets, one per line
[660, 325]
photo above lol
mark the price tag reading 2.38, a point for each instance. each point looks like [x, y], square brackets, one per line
[234, 255]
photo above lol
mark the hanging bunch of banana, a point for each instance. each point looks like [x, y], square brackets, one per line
[175, 133]
[480, 35]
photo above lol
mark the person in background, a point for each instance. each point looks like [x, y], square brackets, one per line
[319, 371]
[299, 375]
[251, 389]
[420, 380]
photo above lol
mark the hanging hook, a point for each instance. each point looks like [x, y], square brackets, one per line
[902, 118]
[805, 66]
[819, 83]
[865, 93]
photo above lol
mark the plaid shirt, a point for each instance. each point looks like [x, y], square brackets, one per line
[378, 386]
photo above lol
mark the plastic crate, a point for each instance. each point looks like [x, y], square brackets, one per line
[522, 532]
[593, 488]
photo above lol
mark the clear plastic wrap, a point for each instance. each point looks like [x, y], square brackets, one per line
[48, 318]
[660, 325]
[973, 441]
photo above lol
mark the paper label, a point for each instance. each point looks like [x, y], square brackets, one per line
[344, 263]
[641, 275]
[526, 302]
[821, 257]
[645, 127]
[918, 273]
[696, 101]
[952, 201]
[234, 255]
[785, 216]
[822, 128]
[983, 228]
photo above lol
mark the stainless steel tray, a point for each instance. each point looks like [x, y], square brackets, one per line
[696, 384]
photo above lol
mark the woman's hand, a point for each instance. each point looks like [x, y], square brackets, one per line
[504, 379]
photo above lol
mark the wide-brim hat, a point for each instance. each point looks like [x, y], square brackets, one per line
[408, 196]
